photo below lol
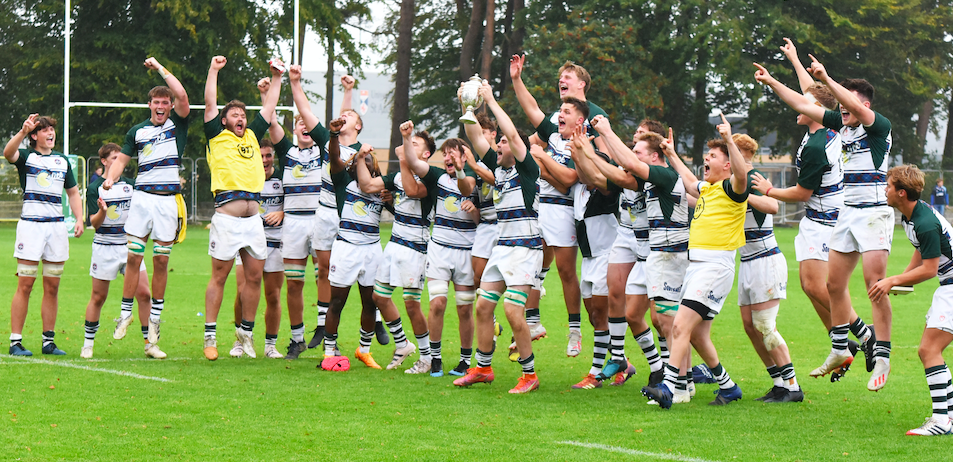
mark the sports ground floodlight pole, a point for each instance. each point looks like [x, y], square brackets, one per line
[66, 29]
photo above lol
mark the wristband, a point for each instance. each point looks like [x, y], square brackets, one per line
[768, 192]
[164, 73]
[335, 134]
[461, 175]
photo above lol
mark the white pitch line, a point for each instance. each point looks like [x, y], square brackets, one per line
[85, 368]
[634, 452]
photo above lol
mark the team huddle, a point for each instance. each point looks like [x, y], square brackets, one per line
[654, 238]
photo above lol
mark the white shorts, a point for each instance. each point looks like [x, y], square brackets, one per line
[595, 277]
[707, 284]
[402, 267]
[557, 225]
[812, 241]
[446, 264]
[326, 221]
[515, 266]
[485, 240]
[353, 263]
[109, 261]
[624, 248]
[229, 234]
[940, 315]
[763, 279]
[274, 262]
[665, 272]
[153, 214]
[41, 240]
[863, 230]
[637, 282]
[296, 236]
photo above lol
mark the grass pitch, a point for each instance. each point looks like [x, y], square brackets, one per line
[123, 406]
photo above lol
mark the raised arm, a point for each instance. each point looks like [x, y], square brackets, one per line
[526, 100]
[619, 151]
[804, 78]
[270, 102]
[739, 166]
[504, 122]
[178, 91]
[484, 173]
[613, 173]
[301, 100]
[367, 183]
[334, 147]
[275, 131]
[797, 101]
[211, 87]
[847, 99]
[348, 83]
[580, 146]
[11, 151]
[475, 134]
[688, 178]
[414, 163]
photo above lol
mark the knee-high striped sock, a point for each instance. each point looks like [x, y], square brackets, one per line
[423, 345]
[15, 339]
[484, 359]
[145, 333]
[882, 350]
[91, 328]
[860, 330]
[647, 343]
[366, 338]
[330, 344]
[323, 312]
[617, 339]
[722, 377]
[435, 349]
[529, 364]
[671, 377]
[600, 346]
[125, 308]
[209, 329]
[397, 331]
[297, 332]
[271, 339]
[575, 322]
[542, 275]
[466, 355]
[789, 377]
[663, 348]
[938, 378]
[247, 326]
[532, 316]
[839, 339]
[156, 312]
[775, 374]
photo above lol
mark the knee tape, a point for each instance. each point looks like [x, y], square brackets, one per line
[136, 246]
[294, 272]
[766, 322]
[383, 290]
[666, 308]
[490, 295]
[515, 297]
[411, 295]
[52, 270]
[159, 250]
[439, 289]
[27, 271]
[465, 297]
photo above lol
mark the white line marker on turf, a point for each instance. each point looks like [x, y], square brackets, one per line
[634, 452]
[85, 368]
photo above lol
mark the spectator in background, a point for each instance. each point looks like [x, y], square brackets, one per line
[939, 199]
